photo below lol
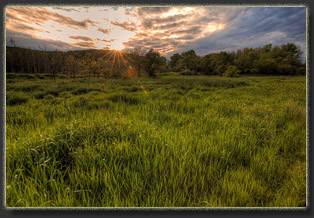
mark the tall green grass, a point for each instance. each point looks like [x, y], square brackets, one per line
[187, 142]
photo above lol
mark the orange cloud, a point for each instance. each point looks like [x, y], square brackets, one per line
[104, 40]
[41, 15]
[105, 31]
[82, 38]
[23, 28]
[85, 44]
[129, 26]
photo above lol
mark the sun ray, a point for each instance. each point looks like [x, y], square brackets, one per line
[119, 59]
[109, 52]
[124, 61]
[116, 58]
[112, 64]
[127, 57]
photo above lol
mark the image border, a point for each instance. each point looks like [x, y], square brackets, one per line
[3, 110]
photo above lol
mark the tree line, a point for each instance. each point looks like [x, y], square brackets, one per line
[267, 60]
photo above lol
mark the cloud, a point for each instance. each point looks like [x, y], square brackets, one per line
[41, 15]
[168, 29]
[212, 29]
[104, 40]
[28, 14]
[82, 38]
[254, 28]
[23, 39]
[170, 20]
[70, 22]
[85, 44]
[66, 9]
[129, 26]
[170, 26]
[130, 14]
[11, 17]
[105, 31]
[191, 31]
[173, 25]
[144, 11]
[24, 28]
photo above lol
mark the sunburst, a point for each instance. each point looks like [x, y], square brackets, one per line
[116, 57]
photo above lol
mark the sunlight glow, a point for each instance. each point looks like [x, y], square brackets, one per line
[170, 37]
[212, 28]
[172, 12]
[116, 45]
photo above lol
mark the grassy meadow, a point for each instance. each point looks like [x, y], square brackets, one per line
[172, 141]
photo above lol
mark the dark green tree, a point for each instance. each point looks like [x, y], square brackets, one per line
[174, 62]
[153, 63]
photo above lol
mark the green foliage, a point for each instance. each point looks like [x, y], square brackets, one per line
[190, 61]
[189, 141]
[174, 62]
[232, 71]
[206, 65]
[71, 66]
[153, 63]
[267, 60]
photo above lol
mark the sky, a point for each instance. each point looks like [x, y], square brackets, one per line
[166, 29]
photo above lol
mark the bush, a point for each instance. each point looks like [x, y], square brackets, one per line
[232, 71]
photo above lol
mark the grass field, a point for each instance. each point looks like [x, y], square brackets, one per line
[174, 141]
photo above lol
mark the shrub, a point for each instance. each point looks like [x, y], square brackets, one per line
[232, 71]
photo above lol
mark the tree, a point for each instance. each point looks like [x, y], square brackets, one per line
[103, 67]
[153, 63]
[137, 57]
[71, 66]
[219, 62]
[174, 62]
[243, 60]
[94, 68]
[266, 66]
[206, 65]
[190, 62]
